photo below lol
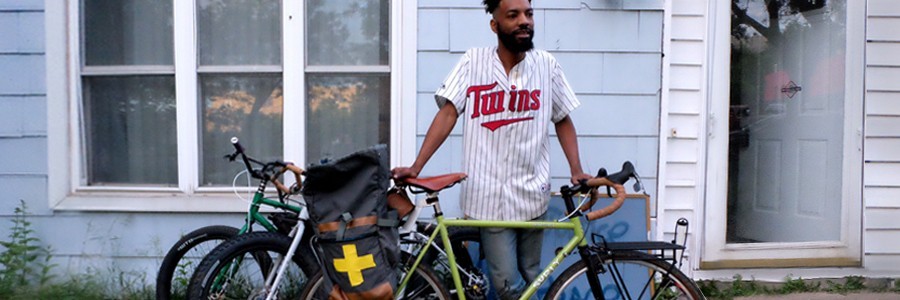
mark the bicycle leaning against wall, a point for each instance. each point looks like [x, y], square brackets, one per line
[631, 270]
[232, 270]
[183, 258]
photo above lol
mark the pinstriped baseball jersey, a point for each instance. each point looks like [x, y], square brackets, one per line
[506, 140]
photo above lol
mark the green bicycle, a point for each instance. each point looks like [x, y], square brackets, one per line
[184, 256]
[636, 270]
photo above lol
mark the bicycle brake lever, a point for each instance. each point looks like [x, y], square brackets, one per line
[231, 157]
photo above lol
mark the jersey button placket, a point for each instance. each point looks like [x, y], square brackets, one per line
[507, 138]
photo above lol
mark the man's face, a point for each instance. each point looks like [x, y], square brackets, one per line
[514, 24]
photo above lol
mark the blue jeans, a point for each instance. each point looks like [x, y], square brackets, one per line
[513, 257]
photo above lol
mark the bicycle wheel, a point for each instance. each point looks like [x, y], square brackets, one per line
[181, 260]
[425, 285]
[642, 276]
[238, 268]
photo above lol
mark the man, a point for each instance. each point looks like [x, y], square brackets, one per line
[508, 95]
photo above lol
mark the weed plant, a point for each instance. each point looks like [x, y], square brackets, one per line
[26, 271]
[25, 264]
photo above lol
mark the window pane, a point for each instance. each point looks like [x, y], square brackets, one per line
[130, 130]
[786, 121]
[346, 113]
[127, 32]
[348, 32]
[239, 32]
[247, 106]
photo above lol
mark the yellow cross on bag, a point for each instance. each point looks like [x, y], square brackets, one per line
[353, 265]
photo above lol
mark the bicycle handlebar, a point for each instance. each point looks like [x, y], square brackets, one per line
[294, 188]
[261, 174]
[613, 181]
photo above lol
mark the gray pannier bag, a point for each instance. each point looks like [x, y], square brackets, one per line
[357, 233]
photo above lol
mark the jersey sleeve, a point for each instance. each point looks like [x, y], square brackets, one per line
[564, 100]
[453, 89]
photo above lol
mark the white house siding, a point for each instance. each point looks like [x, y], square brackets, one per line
[684, 118]
[610, 52]
[881, 195]
[684, 114]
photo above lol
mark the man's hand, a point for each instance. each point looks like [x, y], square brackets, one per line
[404, 172]
[578, 177]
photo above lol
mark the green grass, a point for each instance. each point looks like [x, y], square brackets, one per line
[739, 287]
[851, 284]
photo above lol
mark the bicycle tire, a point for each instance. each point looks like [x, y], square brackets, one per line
[663, 280]
[256, 252]
[184, 256]
[415, 288]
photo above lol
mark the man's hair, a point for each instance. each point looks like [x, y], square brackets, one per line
[491, 5]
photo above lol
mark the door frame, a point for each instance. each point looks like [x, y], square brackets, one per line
[716, 253]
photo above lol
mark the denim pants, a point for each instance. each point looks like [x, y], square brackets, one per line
[513, 257]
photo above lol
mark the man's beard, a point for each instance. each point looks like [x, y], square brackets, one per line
[514, 44]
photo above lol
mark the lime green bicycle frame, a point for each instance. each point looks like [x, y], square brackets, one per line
[573, 224]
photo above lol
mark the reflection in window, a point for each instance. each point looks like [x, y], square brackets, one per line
[346, 114]
[245, 106]
[239, 32]
[348, 32]
[243, 35]
[128, 119]
[130, 130]
[127, 32]
[787, 87]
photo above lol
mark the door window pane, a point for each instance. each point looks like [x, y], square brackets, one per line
[247, 106]
[787, 118]
[127, 32]
[345, 113]
[130, 130]
[239, 32]
[348, 32]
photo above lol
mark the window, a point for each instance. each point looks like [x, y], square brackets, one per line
[347, 76]
[128, 100]
[157, 88]
[240, 83]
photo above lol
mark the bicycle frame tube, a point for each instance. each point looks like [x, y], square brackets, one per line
[573, 224]
[253, 214]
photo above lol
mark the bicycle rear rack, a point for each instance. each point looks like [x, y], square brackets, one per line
[655, 248]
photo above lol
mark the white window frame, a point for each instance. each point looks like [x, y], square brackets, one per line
[716, 253]
[65, 158]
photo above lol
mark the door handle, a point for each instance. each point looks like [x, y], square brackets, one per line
[790, 89]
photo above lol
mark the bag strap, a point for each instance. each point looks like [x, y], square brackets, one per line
[346, 218]
[336, 225]
[346, 223]
[392, 220]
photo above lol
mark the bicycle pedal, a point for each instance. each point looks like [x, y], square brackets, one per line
[475, 292]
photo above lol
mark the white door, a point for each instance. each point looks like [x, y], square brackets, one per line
[789, 161]
[789, 147]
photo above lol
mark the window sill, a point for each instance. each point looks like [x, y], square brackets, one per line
[152, 202]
